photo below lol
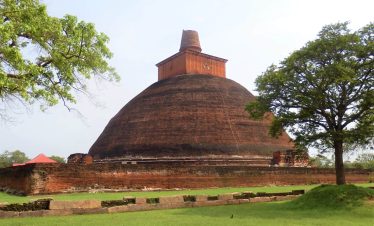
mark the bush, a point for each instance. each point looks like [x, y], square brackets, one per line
[111, 203]
[189, 198]
[40, 204]
[153, 200]
[363, 161]
[333, 196]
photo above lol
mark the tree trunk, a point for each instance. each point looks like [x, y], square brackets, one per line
[339, 166]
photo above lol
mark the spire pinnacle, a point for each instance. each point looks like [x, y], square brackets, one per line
[190, 41]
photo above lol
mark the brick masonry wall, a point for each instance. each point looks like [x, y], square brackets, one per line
[55, 178]
[17, 179]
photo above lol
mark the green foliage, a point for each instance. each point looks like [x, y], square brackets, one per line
[44, 58]
[58, 158]
[325, 90]
[323, 93]
[363, 161]
[321, 161]
[9, 157]
[334, 196]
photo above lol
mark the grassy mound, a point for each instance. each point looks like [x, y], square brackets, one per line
[333, 196]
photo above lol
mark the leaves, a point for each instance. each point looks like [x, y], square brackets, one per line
[47, 59]
[9, 157]
[323, 92]
[58, 158]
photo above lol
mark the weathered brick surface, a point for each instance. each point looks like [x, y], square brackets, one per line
[118, 209]
[170, 205]
[187, 116]
[260, 199]
[241, 201]
[225, 196]
[233, 201]
[7, 214]
[89, 210]
[201, 198]
[140, 200]
[55, 178]
[134, 207]
[64, 212]
[37, 213]
[171, 199]
[211, 203]
[84, 204]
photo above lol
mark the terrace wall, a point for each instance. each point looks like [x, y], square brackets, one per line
[57, 178]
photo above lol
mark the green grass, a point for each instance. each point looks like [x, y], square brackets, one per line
[151, 194]
[334, 196]
[259, 214]
[275, 213]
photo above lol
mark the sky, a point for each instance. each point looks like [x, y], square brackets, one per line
[252, 35]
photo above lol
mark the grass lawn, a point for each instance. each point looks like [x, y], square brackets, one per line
[259, 214]
[151, 194]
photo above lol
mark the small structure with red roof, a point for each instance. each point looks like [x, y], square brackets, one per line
[41, 158]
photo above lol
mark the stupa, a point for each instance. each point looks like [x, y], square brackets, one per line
[192, 113]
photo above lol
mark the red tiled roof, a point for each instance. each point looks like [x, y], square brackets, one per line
[18, 164]
[41, 158]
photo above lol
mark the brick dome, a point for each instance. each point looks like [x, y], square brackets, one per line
[188, 116]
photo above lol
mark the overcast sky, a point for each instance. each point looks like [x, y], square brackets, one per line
[252, 35]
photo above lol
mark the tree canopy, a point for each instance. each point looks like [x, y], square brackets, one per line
[323, 93]
[46, 59]
[58, 158]
[9, 157]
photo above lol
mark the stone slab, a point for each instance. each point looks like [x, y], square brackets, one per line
[171, 199]
[140, 200]
[233, 201]
[136, 207]
[211, 203]
[225, 196]
[84, 204]
[36, 213]
[201, 198]
[90, 211]
[7, 214]
[118, 209]
[260, 199]
[171, 205]
[65, 212]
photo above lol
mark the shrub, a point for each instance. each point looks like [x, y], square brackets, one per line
[333, 196]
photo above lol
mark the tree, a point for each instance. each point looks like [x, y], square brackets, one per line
[44, 58]
[58, 159]
[321, 161]
[323, 93]
[9, 157]
[363, 161]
